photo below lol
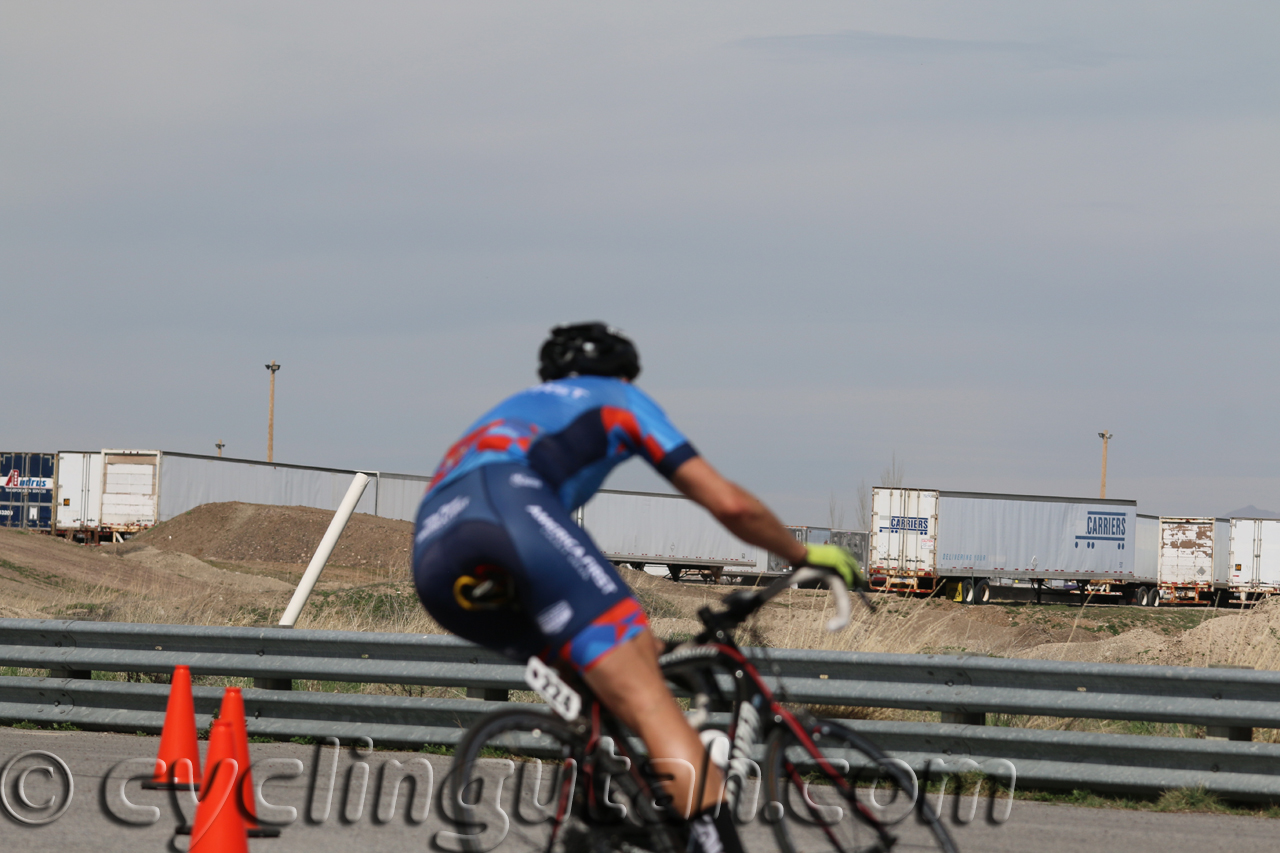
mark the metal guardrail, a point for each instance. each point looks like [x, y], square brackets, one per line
[962, 688]
[266, 653]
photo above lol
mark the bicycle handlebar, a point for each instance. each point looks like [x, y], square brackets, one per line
[833, 582]
[740, 604]
[809, 574]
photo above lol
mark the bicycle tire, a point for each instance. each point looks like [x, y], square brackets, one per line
[523, 736]
[814, 826]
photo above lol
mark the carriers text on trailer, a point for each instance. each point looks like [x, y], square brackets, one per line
[965, 544]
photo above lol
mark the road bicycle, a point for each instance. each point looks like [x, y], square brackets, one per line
[807, 777]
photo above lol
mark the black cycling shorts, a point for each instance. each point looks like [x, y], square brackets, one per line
[497, 559]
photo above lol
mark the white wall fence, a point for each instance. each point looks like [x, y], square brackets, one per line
[188, 480]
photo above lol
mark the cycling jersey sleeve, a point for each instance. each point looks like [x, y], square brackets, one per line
[655, 437]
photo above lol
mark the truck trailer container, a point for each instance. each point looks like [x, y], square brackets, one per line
[1255, 558]
[652, 528]
[79, 493]
[116, 493]
[1194, 563]
[26, 490]
[856, 541]
[967, 544]
[130, 490]
[658, 529]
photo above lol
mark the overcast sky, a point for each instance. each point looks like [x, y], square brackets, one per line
[969, 234]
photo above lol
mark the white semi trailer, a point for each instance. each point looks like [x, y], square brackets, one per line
[1194, 562]
[1254, 569]
[965, 544]
[656, 529]
[651, 528]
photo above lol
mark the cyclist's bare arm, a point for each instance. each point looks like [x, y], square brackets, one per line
[737, 509]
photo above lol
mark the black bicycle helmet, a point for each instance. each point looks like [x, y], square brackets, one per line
[591, 349]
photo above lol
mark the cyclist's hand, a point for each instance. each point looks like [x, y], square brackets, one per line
[838, 560]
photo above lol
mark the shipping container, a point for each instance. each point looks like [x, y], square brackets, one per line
[1146, 543]
[26, 490]
[1194, 559]
[965, 544]
[130, 489]
[1255, 557]
[855, 541]
[79, 491]
[803, 534]
[640, 528]
[656, 529]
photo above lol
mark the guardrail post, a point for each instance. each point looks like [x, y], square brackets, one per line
[84, 674]
[488, 694]
[273, 683]
[1228, 733]
[965, 718]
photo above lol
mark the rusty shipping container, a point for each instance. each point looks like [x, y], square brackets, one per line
[1194, 560]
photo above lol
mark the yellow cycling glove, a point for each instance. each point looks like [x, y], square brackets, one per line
[836, 558]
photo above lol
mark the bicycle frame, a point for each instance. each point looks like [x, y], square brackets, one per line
[697, 661]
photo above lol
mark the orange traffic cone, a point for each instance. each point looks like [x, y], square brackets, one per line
[218, 827]
[233, 712]
[178, 764]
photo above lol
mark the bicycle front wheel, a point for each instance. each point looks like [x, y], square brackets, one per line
[815, 803]
[553, 791]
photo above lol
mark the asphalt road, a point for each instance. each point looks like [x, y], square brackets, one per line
[353, 823]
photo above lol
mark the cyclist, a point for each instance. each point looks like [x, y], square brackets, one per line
[499, 560]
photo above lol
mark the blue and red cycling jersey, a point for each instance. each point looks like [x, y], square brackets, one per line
[571, 432]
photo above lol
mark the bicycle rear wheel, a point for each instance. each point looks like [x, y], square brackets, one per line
[815, 805]
[551, 789]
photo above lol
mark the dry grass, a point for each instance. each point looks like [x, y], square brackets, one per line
[366, 600]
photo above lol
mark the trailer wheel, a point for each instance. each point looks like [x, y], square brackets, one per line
[966, 591]
[1140, 596]
[1153, 596]
[982, 592]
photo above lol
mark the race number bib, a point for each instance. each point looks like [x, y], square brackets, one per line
[546, 682]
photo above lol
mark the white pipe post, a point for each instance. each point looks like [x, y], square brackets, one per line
[312, 574]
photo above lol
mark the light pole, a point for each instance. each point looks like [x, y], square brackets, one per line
[271, 411]
[219, 445]
[1105, 435]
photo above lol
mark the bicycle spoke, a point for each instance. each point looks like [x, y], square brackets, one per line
[812, 779]
[594, 806]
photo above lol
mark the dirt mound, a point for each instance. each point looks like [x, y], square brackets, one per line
[1249, 638]
[42, 577]
[255, 534]
[1138, 645]
[184, 567]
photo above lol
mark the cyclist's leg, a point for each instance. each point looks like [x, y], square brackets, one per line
[592, 622]
[628, 681]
